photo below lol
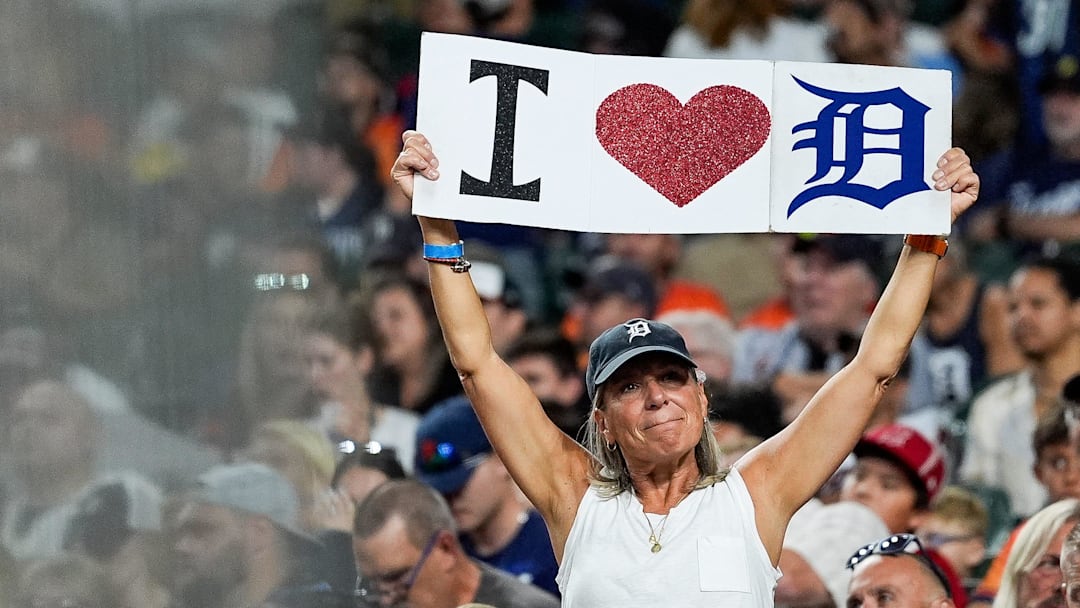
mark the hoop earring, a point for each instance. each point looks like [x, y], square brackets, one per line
[611, 447]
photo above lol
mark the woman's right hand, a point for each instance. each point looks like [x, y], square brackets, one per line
[416, 157]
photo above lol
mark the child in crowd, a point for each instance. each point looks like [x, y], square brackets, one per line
[956, 528]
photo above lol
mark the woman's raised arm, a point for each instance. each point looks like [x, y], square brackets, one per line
[550, 467]
[785, 471]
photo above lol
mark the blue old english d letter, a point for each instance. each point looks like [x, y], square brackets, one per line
[849, 108]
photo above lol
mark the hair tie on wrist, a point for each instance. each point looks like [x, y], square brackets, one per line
[449, 255]
[444, 252]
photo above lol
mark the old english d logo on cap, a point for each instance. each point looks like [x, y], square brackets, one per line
[637, 328]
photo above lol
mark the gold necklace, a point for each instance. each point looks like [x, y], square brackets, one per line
[654, 536]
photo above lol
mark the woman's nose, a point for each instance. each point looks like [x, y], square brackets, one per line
[655, 396]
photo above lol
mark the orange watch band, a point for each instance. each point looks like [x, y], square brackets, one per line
[937, 245]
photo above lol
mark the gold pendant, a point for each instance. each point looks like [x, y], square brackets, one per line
[655, 544]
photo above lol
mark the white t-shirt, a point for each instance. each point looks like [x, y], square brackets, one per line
[711, 555]
[395, 428]
[997, 449]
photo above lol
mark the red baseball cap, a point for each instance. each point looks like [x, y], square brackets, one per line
[922, 459]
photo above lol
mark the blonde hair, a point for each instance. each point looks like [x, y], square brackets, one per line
[962, 507]
[1031, 542]
[310, 444]
[608, 472]
[301, 454]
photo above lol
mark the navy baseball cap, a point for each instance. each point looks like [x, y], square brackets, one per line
[623, 342]
[450, 444]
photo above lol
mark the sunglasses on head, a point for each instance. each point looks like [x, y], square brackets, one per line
[899, 544]
[348, 446]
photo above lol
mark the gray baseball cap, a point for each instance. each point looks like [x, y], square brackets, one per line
[256, 489]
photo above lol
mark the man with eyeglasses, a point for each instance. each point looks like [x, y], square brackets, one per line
[408, 554]
[897, 573]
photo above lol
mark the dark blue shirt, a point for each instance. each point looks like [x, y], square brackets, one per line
[957, 362]
[528, 557]
[1039, 31]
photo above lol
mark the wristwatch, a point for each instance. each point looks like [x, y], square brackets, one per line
[937, 245]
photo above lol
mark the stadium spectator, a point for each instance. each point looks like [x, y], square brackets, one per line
[1044, 298]
[239, 542]
[495, 525]
[339, 355]
[407, 549]
[956, 529]
[548, 363]
[412, 368]
[52, 445]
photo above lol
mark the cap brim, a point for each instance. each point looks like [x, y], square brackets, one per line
[864, 447]
[447, 482]
[612, 366]
[876, 450]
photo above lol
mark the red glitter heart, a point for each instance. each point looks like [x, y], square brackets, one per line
[682, 150]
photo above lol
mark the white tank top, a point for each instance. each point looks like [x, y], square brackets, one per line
[711, 554]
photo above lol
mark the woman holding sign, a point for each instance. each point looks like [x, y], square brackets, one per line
[645, 516]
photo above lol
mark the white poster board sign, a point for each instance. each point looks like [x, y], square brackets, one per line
[559, 139]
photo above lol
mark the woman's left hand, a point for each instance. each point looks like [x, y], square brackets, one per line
[954, 173]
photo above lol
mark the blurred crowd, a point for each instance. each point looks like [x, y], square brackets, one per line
[222, 382]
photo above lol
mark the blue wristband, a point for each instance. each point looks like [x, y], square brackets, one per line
[444, 252]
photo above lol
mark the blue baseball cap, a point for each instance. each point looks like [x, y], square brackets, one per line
[450, 444]
[623, 342]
